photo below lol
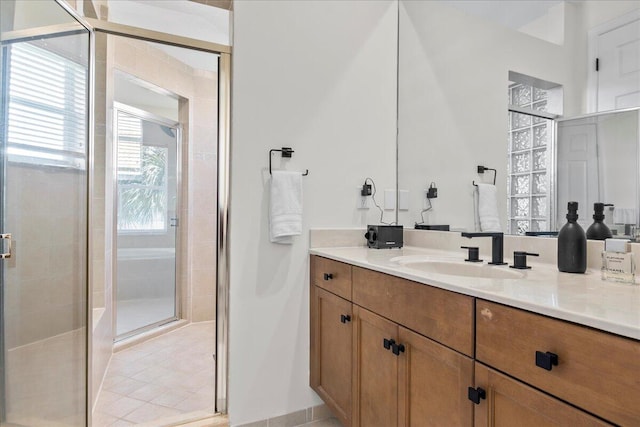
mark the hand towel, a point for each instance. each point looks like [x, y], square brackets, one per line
[285, 214]
[624, 215]
[488, 208]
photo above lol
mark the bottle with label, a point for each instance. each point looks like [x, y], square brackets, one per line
[617, 263]
[572, 243]
[598, 230]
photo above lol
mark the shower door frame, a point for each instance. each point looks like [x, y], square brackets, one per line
[25, 35]
[224, 53]
[150, 117]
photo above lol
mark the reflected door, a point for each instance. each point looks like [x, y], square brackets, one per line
[619, 67]
[43, 168]
[147, 220]
[578, 173]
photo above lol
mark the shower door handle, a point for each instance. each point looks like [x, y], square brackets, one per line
[7, 254]
[173, 222]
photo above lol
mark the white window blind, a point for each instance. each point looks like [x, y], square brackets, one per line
[129, 145]
[46, 108]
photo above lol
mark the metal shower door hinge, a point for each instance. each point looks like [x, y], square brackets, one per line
[173, 222]
[6, 236]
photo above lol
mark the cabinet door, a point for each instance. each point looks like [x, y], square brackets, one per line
[433, 384]
[376, 371]
[331, 351]
[511, 403]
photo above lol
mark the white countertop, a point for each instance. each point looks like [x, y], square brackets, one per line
[580, 298]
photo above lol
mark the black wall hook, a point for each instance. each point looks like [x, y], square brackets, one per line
[286, 152]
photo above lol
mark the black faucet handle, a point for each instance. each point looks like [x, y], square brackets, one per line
[474, 253]
[520, 260]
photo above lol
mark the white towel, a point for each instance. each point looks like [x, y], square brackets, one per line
[488, 208]
[285, 214]
[624, 215]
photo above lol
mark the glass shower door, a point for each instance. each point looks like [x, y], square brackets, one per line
[43, 207]
[147, 220]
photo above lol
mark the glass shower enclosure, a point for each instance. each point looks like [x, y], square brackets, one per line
[44, 76]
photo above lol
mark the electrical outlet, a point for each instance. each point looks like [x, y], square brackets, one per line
[362, 202]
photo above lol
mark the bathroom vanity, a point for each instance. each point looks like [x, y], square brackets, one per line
[395, 342]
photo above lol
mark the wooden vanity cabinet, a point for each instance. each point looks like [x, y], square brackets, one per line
[404, 379]
[332, 335]
[593, 370]
[331, 351]
[415, 355]
[508, 402]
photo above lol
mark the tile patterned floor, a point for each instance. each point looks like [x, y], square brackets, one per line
[165, 377]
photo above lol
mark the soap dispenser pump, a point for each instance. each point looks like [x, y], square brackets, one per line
[599, 230]
[572, 243]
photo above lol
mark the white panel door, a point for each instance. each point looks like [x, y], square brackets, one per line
[577, 171]
[619, 67]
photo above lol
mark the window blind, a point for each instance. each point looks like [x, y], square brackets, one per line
[47, 119]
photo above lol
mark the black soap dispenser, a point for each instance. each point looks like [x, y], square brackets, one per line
[598, 230]
[572, 244]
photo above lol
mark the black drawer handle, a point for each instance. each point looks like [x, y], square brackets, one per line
[328, 276]
[387, 344]
[397, 349]
[476, 394]
[546, 360]
[344, 318]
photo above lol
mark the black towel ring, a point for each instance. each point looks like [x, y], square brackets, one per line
[286, 152]
[482, 169]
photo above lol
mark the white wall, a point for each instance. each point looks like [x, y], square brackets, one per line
[319, 76]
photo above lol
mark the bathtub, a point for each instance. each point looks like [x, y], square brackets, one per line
[146, 273]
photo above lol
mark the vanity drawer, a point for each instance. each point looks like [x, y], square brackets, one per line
[331, 275]
[443, 316]
[595, 370]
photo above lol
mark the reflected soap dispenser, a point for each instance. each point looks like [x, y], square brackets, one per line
[572, 243]
[599, 230]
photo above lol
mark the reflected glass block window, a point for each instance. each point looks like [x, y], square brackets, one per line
[529, 145]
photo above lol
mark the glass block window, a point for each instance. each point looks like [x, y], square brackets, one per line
[528, 160]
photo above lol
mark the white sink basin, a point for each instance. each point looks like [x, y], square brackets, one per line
[465, 269]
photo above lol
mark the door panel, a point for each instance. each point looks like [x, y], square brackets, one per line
[578, 172]
[511, 403]
[43, 161]
[433, 382]
[147, 220]
[619, 71]
[331, 351]
[376, 375]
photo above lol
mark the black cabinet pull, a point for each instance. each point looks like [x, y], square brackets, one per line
[546, 360]
[476, 394]
[344, 318]
[397, 349]
[387, 344]
[328, 276]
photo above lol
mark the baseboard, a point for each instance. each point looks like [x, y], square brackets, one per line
[313, 413]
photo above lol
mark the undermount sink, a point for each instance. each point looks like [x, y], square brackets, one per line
[461, 268]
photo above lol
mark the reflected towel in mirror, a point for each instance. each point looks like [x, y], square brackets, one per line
[488, 208]
[624, 215]
[285, 212]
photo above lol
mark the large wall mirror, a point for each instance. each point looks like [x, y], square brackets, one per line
[513, 86]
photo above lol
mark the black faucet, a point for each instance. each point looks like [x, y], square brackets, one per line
[497, 245]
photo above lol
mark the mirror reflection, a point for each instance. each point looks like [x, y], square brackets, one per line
[498, 84]
[598, 162]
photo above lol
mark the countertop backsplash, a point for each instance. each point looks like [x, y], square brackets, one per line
[451, 241]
